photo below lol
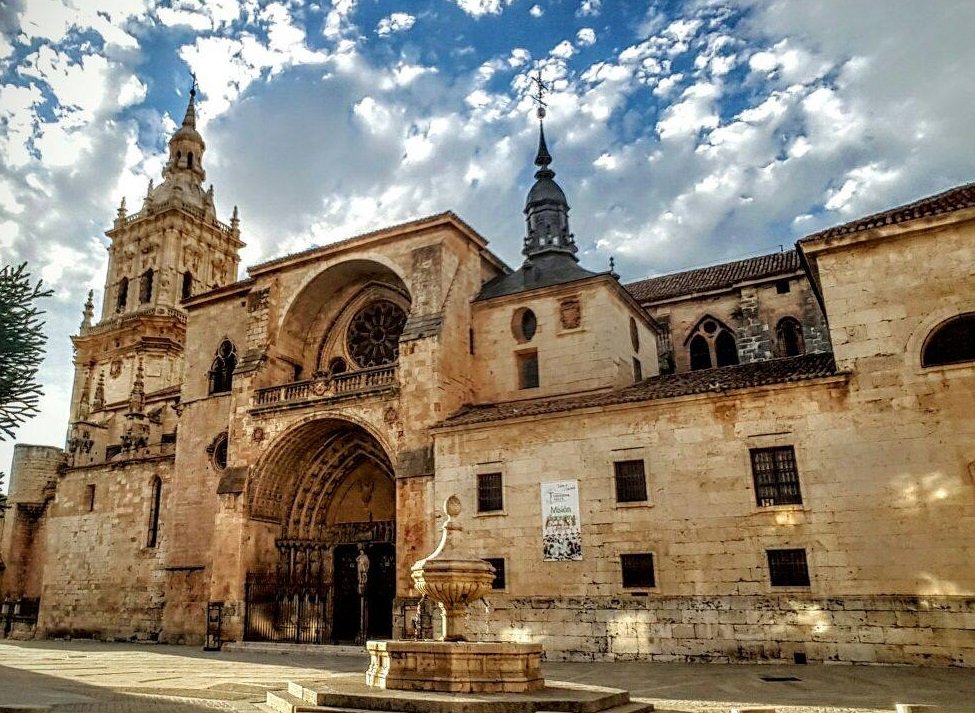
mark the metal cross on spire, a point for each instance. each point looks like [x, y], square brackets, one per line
[194, 85]
[539, 96]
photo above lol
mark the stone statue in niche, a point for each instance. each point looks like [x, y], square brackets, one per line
[570, 313]
[366, 489]
[115, 369]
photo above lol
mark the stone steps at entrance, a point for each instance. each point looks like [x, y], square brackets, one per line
[261, 647]
[349, 694]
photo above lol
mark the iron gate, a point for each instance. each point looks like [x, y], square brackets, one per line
[279, 612]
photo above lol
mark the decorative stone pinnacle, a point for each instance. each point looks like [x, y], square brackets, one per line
[89, 311]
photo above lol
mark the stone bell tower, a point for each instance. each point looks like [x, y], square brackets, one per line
[172, 248]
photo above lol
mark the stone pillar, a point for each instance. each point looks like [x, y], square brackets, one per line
[814, 331]
[754, 339]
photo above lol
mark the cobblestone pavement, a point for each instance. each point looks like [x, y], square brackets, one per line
[87, 676]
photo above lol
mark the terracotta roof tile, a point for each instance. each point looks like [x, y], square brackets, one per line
[715, 277]
[773, 371]
[957, 198]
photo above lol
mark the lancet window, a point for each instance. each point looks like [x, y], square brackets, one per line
[788, 336]
[145, 286]
[123, 294]
[711, 344]
[222, 370]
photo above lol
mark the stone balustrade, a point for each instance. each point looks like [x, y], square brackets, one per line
[363, 381]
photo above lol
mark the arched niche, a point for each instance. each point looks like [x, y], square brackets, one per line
[312, 328]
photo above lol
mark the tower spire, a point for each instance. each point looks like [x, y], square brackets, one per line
[189, 119]
[546, 209]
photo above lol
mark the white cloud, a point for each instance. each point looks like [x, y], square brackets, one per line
[376, 118]
[536, 11]
[338, 22]
[563, 50]
[695, 111]
[518, 57]
[860, 181]
[52, 20]
[133, 91]
[479, 8]
[789, 63]
[589, 8]
[397, 22]
[586, 37]
[172, 17]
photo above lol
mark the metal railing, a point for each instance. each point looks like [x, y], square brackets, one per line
[364, 380]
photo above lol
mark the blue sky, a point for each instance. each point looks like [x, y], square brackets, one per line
[684, 133]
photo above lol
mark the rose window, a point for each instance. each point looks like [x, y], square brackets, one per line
[374, 333]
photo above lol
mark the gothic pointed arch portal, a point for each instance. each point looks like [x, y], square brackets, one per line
[328, 486]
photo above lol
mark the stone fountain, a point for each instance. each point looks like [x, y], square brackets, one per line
[451, 675]
[453, 579]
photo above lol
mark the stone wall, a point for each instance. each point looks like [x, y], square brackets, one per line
[102, 577]
[575, 354]
[918, 630]
[752, 312]
[33, 472]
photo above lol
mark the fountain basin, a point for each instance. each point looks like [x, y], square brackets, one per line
[455, 666]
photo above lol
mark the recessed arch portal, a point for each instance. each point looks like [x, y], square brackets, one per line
[326, 488]
[296, 481]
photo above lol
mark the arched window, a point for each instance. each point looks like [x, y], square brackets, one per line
[189, 160]
[187, 290]
[155, 499]
[788, 337]
[700, 353]
[123, 294]
[951, 342]
[145, 286]
[725, 348]
[711, 343]
[222, 371]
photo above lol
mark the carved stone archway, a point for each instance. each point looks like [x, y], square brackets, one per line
[327, 484]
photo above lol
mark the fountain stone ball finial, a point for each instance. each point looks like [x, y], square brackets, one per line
[451, 576]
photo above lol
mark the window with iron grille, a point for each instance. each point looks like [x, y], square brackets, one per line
[498, 564]
[631, 481]
[776, 477]
[787, 568]
[489, 497]
[637, 570]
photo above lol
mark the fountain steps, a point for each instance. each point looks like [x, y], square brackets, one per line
[339, 695]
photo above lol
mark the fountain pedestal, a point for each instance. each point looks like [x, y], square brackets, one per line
[454, 579]
[455, 666]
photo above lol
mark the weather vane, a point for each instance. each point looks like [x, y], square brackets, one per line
[539, 96]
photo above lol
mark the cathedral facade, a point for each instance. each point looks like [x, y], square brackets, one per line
[771, 459]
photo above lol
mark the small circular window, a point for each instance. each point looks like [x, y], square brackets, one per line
[524, 325]
[218, 451]
[710, 327]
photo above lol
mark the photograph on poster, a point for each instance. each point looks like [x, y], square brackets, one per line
[561, 526]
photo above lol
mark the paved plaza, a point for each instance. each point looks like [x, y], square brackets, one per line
[88, 676]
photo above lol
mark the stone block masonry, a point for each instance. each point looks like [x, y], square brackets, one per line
[862, 630]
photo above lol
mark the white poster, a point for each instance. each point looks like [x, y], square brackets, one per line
[561, 525]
